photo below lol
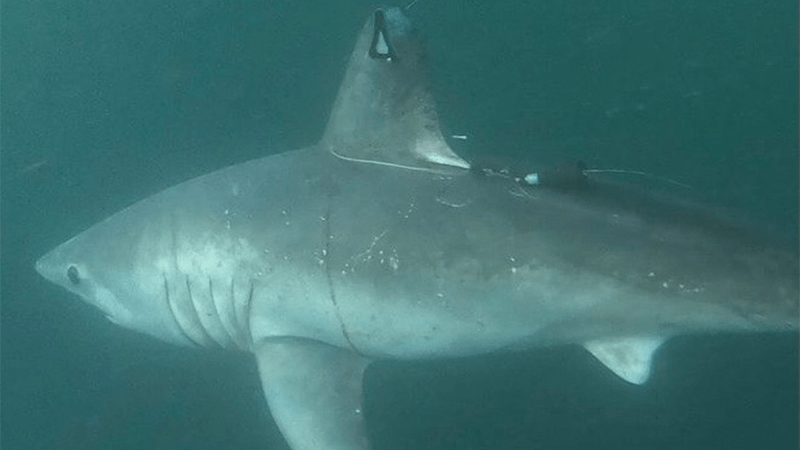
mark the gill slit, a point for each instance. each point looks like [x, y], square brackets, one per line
[247, 316]
[200, 323]
[220, 316]
[174, 315]
[172, 306]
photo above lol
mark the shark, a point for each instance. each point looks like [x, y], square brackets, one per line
[381, 242]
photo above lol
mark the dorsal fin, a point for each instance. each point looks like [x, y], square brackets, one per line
[384, 113]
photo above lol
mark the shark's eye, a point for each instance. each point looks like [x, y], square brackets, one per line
[73, 275]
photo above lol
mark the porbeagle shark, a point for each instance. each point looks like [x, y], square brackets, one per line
[381, 242]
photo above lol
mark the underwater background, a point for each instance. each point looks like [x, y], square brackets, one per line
[105, 103]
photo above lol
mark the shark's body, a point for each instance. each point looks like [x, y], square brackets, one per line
[379, 242]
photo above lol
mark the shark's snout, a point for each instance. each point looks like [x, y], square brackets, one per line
[39, 266]
[46, 268]
[58, 267]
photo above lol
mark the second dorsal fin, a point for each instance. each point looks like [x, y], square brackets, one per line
[631, 358]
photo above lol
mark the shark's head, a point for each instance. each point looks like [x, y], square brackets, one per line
[103, 267]
[67, 266]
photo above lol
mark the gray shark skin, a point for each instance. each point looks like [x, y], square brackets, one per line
[381, 242]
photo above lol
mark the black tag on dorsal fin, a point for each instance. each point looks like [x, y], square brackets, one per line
[381, 46]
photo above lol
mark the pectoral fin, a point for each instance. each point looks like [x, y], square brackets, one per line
[630, 358]
[314, 392]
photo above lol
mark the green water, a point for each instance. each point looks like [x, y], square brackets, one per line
[104, 103]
